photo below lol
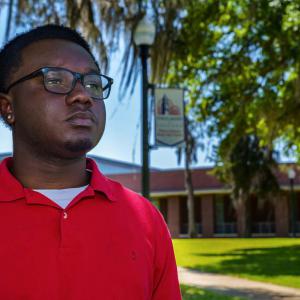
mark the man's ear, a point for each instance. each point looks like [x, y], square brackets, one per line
[6, 109]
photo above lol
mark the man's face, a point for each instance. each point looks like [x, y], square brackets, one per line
[66, 126]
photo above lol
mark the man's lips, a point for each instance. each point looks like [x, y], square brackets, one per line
[82, 118]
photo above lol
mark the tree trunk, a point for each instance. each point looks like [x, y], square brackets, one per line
[244, 216]
[189, 183]
[190, 201]
[248, 230]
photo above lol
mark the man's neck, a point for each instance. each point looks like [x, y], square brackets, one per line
[40, 173]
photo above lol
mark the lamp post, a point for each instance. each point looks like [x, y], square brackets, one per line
[292, 176]
[144, 37]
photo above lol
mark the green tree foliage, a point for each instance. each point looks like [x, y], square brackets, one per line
[240, 60]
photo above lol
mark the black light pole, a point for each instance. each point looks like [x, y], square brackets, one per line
[292, 175]
[144, 51]
[144, 37]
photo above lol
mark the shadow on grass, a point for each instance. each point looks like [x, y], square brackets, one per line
[256, 261]
[192, 293]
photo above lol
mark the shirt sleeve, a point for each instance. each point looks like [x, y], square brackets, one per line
[166, 285]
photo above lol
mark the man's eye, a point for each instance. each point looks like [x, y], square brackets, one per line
[54, 81]
[93, 86]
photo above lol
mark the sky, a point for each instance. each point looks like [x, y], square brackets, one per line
[122, 137]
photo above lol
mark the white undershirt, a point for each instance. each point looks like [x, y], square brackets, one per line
[62, 197]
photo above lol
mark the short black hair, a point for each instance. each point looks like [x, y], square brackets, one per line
[11, 53]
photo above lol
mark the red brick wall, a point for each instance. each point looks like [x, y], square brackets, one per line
[207, 210]
[173, 216]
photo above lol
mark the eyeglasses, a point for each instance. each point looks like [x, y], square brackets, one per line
[62, 81]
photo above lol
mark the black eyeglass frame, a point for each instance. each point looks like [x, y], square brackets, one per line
[76, 76]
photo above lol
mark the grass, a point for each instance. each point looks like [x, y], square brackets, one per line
[192, 293]
[273, 260]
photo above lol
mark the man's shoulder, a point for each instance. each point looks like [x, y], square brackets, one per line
[124, 194]
[141, 212]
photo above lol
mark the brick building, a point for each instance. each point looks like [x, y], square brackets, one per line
[215, 214]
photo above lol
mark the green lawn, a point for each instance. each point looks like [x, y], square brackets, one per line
[274, 260]
[192, 293]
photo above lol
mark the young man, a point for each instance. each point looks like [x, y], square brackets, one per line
[66, 231]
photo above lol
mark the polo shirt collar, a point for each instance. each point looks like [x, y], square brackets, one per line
[11, 189]
[99, 182]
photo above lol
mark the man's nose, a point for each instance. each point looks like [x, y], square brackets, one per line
[79, 94]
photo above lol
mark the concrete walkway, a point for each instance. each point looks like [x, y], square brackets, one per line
[236, 286]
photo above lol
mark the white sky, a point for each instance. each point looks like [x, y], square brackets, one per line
[121, 140]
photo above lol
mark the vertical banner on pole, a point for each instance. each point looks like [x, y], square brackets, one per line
[169, 117]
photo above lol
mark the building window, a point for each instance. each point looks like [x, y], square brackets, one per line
[225, 215]
[262, 216]
[163, 207]
[297, 208]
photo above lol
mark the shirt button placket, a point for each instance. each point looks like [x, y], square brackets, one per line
[63, 228]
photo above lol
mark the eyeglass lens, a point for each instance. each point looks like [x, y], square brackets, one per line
[62, 81]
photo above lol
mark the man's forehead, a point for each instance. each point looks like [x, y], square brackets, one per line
[56, 52]
[56, 48]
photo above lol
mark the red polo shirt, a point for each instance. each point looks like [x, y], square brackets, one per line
[108, 244]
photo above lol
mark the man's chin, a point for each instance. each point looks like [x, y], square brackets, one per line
[79, 146]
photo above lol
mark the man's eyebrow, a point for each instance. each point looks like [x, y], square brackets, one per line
[92, 70]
